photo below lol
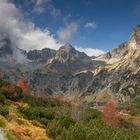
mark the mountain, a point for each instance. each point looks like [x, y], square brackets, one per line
[45, 69]
[68, 60]
[114, 74]
[120, 77]
[59, 73]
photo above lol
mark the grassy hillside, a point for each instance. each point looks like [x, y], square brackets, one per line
[31, 118]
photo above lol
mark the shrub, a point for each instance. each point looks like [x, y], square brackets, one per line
[54, 129]
[2, 99]
[109, 114]
[2, 82]
[135, 106]
[11, 92]
[90, 114]
[10, 135]
[76, 132]
[2, 123]
[126, 124]
[41, 102]
[4, 110]
[19, 92]
[36, 112]
[97, 130]
[66, 121]
[43, 121]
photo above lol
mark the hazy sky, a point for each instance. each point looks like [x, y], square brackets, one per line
[101, 24]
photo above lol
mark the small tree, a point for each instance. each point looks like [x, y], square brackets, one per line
[21, 83]
[109, 114]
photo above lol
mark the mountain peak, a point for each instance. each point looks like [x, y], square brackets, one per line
[134, 41]
[68, 45]
[67, 48]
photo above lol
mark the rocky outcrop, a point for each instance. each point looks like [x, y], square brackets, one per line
[5, 47]
[40, 55]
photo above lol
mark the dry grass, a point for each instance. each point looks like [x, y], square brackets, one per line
[22, 128]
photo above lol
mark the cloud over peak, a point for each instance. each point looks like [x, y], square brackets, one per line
[90, 51]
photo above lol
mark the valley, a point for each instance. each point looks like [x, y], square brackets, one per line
[69, 70]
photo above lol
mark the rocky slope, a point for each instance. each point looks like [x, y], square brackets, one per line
[121, 75]
[59, 72]
[40, 55]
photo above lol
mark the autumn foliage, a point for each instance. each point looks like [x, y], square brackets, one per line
[21, 83]
[10, 91]
[60, 97]
[109, 114]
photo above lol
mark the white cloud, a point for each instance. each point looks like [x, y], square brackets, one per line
[40, 2]
[92, 25]
[41, 6]
[66, 33]
[90, 51]
[23, 33]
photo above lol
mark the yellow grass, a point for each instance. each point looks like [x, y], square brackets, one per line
[22, 128]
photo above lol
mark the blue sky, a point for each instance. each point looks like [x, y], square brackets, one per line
[101, 24]
[114, 20]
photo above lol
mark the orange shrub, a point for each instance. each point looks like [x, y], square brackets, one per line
[109, 114]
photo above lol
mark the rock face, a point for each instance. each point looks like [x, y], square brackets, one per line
[116, 53]
[60, 72]
[121, 75]
[5, 47]
[69, 71]
[68, 60]
[40, 56]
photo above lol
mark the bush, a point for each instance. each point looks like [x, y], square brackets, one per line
[90, 114]
[2, 123]
[44, 121]
[4, 110]
[10, 135]
[19, 92]
[36, 112]
[126, 124]
[2, 99]
[40, 102]
[11, 92]
[97, 130]
[135, 106]
[66, 121]
[76, 132]
[2, 82]
[56, 127]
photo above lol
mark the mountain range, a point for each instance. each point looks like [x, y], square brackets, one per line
[114, 74]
